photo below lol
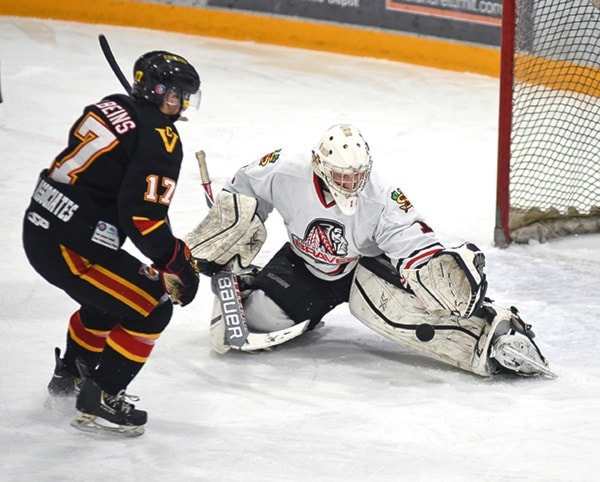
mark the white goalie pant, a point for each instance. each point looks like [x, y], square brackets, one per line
[400, 317]
[263, 314]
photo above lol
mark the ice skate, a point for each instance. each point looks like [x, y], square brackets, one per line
[63, 383]
[99, 412]
[516, 352]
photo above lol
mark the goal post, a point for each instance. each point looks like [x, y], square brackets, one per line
[548, 175]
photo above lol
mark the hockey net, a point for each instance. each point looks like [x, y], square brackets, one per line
[549, 142]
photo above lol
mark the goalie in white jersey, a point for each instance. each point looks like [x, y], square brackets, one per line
[352, 237]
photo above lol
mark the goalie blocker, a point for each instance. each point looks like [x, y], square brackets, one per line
[231, 230]
[229, 237]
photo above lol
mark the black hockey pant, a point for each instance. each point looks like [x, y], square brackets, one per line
[301, 295]
[124, 308]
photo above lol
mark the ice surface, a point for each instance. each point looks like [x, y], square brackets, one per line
[341, 403]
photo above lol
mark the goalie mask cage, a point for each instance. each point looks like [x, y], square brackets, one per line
[548, 151]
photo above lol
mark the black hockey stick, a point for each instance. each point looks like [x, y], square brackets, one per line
[110, 58]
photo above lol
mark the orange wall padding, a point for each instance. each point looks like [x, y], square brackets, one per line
[288, 32]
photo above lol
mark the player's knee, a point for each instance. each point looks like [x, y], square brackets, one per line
[263, 314]
[160, 317]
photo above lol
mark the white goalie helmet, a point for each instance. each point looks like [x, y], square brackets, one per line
[342, 160]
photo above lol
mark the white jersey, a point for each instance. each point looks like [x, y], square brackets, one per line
[330, 242]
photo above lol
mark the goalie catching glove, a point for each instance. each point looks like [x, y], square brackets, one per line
[231, 228]
[452, 280]
[180, 276]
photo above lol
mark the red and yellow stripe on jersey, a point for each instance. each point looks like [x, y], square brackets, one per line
[110, 283]
[146, 226]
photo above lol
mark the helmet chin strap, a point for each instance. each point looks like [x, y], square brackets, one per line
[325, 191]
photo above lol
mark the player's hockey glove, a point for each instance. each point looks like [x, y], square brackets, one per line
[180, 275]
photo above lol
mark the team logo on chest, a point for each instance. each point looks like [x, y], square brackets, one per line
[169, 138]
[325, 241]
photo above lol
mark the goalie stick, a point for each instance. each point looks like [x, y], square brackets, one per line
[264, 341]
[226, 288]
[204, 177]
[110, 58]
[225, 283]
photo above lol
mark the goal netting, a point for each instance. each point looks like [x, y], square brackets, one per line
[549, 144]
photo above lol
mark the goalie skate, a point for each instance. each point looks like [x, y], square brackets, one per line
[517, 353]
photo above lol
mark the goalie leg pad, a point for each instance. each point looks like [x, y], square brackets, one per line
[231, 228]
[217, 337]
[399, 316]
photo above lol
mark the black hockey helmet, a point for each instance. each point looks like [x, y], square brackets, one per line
[158, 72]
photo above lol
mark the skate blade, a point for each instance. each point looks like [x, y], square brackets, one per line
[524, 361]
[89, 423]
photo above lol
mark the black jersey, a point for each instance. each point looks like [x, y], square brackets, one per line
[115, 179]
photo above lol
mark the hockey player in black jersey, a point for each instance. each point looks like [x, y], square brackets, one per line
[115, 180]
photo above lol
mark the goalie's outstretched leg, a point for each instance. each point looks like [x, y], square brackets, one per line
[491, 341]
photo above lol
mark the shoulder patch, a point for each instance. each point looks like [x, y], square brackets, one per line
[401, 199]
[270, 158]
